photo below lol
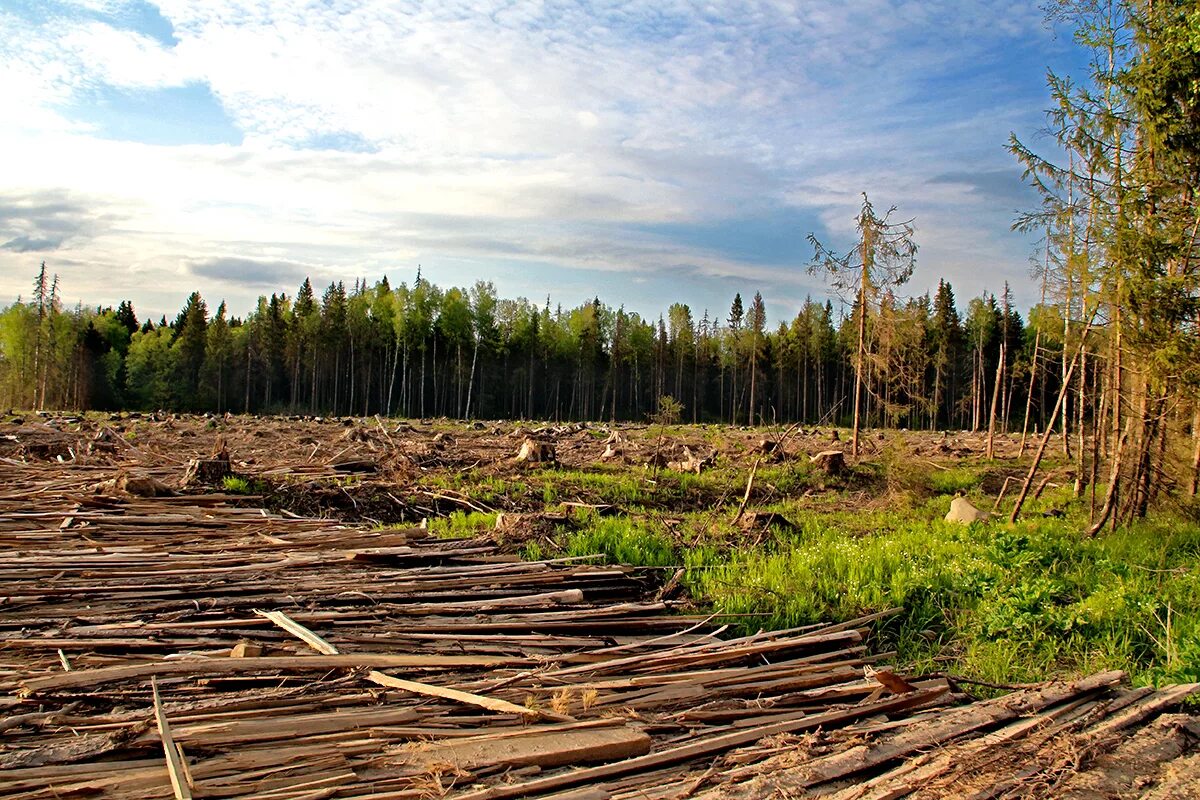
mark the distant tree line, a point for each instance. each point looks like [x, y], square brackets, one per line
[419, 350]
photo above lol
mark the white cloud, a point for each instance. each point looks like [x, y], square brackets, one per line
[538, 126]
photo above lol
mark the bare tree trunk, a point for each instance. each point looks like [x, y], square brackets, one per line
[1066, 380]
[1041, 451]
[246, 404]
[937, 394]
[471, 382]
[1080, 397]
[975, 390]
[995, 400]
[753, 375]
[1195, 487]
[395, 351]
[733, 387]
[1098, 429]
[350, 405]
[367, 372]
[1114, 482]
[862, 347]
[312, 403]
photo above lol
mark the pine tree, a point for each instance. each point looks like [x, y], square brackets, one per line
[189, 342]
[736, 313]
[757, 323]
[884, 257]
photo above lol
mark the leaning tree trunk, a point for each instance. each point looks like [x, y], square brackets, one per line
[1041, 451]
[862, 346]
[995, 401]
[1195, 487]
[1114, 483]
[471, 382]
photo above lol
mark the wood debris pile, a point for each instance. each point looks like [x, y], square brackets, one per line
[186, 645]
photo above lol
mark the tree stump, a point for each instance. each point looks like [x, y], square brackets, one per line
[831, 462]
[535, 452]
[208, 471]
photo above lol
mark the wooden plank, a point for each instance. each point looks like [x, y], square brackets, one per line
[532, 748]
[1167, 697]
[446, 693]
[233, 666]
[942, 729]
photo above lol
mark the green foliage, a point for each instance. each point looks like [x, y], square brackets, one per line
[462, 524]
[623, 541]
[235, 484]
[953, 481]
[669, 411]
[1000, 604]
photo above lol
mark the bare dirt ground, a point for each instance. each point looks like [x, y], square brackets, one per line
[372, 469]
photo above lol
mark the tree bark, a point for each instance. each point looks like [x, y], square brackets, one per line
[1195, 488]
[1041, 451]
[862, 343]
[995, 401]
[471, 382]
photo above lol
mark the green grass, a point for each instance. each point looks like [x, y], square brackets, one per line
[462, 524]
[235, 484]
[993, 602]
[623, 541]
[953, 481]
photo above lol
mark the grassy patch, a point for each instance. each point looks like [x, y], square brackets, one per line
[623, 541]
[953, 481]
[239, 485]
[995, 602]
[461, 524]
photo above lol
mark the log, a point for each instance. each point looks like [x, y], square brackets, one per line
[532, 747]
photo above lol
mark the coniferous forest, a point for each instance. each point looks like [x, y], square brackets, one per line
[420, 350]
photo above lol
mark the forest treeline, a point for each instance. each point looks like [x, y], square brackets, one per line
[1108, 361]
[421, 351]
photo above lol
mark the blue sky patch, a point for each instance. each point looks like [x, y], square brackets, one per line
[340, 141]
[775, 236]
[181, 115]
[137, 15]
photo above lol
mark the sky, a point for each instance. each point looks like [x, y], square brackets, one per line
[645, 152]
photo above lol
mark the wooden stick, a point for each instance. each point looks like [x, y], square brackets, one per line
[296, 629]
[446, 693]
[175, 767]
[236, 666]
